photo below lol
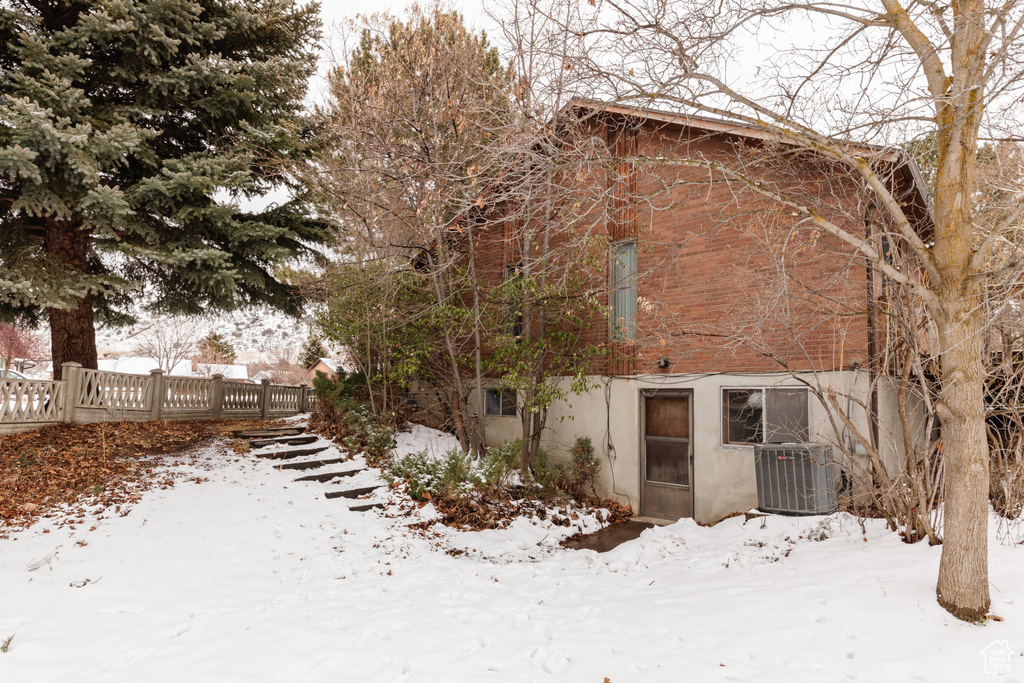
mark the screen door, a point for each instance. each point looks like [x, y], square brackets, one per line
[667, 457]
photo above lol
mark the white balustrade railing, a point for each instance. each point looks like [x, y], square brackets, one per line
[188, 393]
[239, 397]
[30, 400]
[84, 395]
[112, 390]
[284, 398]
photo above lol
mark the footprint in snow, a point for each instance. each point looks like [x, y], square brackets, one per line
[584, 612]
[472, 645]
[128, 659]
[553, 662]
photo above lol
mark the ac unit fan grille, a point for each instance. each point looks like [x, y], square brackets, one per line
[795, 478]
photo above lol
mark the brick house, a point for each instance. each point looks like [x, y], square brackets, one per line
[327, 366]
[720, 312]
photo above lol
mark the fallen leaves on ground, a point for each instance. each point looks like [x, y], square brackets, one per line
[110, 462]
[497, 509]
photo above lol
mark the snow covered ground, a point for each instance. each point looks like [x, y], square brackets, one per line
[238, 573]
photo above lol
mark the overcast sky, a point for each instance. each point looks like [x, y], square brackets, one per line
[334, 10]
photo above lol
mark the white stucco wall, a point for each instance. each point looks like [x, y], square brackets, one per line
[723, 475]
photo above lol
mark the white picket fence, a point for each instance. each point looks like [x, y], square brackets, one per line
[84, 395]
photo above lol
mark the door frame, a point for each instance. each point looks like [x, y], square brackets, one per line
[663, 393]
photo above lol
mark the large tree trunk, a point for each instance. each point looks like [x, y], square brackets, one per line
[963, 570]
[72, 330]
[962, 587]
[72, 336]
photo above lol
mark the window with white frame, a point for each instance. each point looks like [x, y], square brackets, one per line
[765, 415]
[499, 402]
[624, 290]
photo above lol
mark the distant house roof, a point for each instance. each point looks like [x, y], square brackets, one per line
[141, 365]
[262, 375]
[343, 363]
[329, 363]
[229, 371]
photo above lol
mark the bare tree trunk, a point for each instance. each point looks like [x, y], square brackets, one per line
[457, 404]
[918, 522]
[540, 417]
[460, 425]
[526, 454]
[539, 420]
[525, 457]
[533, 427]
[963, 571]
[476, 435]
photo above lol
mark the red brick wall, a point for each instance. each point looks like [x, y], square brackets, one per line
[713, 297]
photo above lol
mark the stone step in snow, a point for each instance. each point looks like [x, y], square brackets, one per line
[268, 433]
[287, 441]
[310, 464]
[353, 493]
[366, 507]
[288, 454]
[329, 475]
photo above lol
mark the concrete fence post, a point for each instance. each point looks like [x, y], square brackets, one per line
[71, 375]
[264, 398]
[156, 393]
[217, 397]
[304, 398]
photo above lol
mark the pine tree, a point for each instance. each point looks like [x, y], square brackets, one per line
[129, 131]
[312, 352]
[215, 349]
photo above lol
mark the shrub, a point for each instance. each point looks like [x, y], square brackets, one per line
[452, 475]
[456, 476]
[343, 416]
[545, 473]
[499, 463]
[420, 470]
[582, 470]
[344, 385]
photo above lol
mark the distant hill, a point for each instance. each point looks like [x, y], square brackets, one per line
[258, 334]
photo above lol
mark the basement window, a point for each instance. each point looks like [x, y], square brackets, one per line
[753, 416]
[499, 402]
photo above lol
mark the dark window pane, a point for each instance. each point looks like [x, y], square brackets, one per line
[668, 417]
[492, 402]
[786, 419]
[668, 462]
[499, 402]
[508, 403]
[742, 411]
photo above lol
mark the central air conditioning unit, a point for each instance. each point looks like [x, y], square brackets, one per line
[795, 478]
